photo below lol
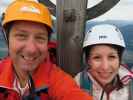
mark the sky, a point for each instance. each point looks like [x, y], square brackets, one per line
[122, 11]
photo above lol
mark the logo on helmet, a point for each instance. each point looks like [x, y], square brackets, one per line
[102, 37]
[30, 9]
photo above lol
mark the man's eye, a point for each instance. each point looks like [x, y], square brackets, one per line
[21, 36]
[41, 38]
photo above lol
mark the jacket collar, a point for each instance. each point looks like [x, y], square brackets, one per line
[40, 76]
[6, 75]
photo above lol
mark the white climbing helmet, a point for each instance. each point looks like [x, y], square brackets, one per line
[104, 34]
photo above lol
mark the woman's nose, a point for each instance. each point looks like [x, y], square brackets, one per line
[105, 64]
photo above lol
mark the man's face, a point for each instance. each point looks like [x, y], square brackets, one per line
[27, 45]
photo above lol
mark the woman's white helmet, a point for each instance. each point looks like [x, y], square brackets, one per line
[104, 34]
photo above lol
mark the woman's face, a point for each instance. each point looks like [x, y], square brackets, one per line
[104, 63]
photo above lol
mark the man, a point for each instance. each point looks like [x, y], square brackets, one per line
[28, 73]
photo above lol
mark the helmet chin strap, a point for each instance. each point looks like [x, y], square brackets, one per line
[3, 31]
[33, 92]
[114, 84]
[31, 86]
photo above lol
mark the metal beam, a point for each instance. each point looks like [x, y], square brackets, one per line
[100, 8]
[51, 6]
[93, 12]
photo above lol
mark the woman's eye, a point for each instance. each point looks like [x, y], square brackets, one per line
[96, 57]
[113, 57]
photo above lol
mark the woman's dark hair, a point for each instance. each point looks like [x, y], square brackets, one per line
[116, 47]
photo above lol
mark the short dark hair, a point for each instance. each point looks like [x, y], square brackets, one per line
[120, 50]
[9, 26]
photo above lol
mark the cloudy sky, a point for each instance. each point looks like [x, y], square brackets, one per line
[122, 11]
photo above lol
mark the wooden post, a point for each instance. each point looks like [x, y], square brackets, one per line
[70, 16]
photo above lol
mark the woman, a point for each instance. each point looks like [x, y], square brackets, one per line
[104, 77]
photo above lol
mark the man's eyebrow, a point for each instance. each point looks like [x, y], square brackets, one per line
[21, 30]
[42, 33]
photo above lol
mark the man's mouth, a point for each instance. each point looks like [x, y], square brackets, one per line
[29, 59]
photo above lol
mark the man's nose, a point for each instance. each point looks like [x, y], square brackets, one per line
[31, 46]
